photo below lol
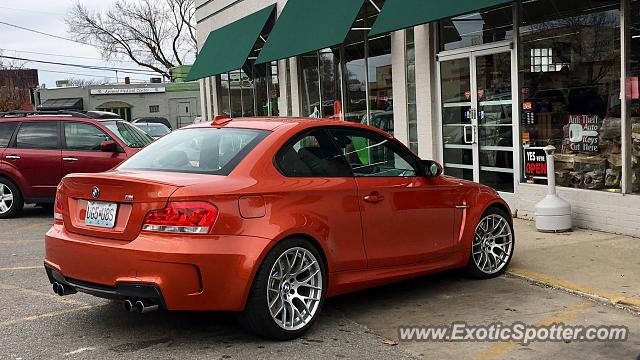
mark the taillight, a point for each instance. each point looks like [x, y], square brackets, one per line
[57, 212]
[182, 217]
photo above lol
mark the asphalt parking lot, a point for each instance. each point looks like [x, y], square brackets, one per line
[36, 324]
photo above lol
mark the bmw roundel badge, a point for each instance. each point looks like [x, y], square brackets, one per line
[95, 192]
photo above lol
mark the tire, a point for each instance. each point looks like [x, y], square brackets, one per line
[492, 245]
[310, 282]
[11, 201]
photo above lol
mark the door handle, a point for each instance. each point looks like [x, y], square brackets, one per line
[69, 159]
[466, 133]
[374, 198]
[12, 157]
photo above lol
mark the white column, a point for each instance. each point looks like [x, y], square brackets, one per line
[399, 71]
[426, 91]
[284, 92]
[204, 108]
[213, 99]
[295, 91]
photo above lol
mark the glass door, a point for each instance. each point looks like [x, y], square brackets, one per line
[477, 118]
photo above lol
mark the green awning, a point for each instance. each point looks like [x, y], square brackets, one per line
[401, 14]
[229, 47]
[309, 25]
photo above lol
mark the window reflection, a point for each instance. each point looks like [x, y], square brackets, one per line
[570, 68]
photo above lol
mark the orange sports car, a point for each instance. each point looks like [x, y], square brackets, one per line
[269, 217]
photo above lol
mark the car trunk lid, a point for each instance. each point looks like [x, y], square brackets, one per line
[135, 193]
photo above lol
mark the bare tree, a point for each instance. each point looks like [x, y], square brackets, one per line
[12, 97]
[157, 35]
[84, 82]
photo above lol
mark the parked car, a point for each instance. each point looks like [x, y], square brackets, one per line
[37, 151]
[104, 115]
[153, 120]
[156, 131]
[269, 218]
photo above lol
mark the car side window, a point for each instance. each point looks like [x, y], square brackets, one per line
[311, 154]
[6, 132]
[38, 135]
[373, 155]
[83, 136]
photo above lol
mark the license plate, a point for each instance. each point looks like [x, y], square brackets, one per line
[101, 214]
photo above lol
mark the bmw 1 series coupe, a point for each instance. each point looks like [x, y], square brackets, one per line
[268, 218]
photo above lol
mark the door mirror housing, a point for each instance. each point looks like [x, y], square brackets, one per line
[109, 146]
[431, 168]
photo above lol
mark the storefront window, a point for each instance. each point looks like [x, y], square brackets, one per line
[356, 82]
[633, 90]
[330, 83]
[412, 108]
[476, 28]
[570, 83]
[380, 83]
[310, 85]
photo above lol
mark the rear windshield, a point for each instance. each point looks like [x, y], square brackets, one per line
[131, 135]
[154, 129]
[215, 151]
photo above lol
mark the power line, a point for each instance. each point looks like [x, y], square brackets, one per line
[67, 56]
[92, 67]
[44, 33]
[87, 75]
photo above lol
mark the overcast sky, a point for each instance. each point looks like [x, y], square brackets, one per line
[48, 16]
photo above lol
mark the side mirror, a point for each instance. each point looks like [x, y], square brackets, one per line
[109, 146]
[431, 168]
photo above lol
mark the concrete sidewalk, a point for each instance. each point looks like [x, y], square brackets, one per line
[595, 264]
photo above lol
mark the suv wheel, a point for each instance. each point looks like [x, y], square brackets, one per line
[11, 202]
[288, 291]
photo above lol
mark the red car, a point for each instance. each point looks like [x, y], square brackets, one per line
[269, 218]
[37, 151]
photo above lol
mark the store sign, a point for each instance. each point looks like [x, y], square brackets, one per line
[535, 163]
[583, 133]
[128, 91]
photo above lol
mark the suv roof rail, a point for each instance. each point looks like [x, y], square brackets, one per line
[22, 113]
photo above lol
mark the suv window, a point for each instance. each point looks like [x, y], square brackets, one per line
[131, 135]
[38, 135]
[371, 154]
[83, 136]
[312, 154]
[214, 151]
[6, 132]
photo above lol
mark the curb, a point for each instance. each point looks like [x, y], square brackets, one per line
[597, 295]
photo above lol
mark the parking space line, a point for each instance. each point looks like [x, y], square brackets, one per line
[31, 226]
[562, 316]
[43, 316]
[22, 268]
[32, 292]
[15, 242]
[593, 293]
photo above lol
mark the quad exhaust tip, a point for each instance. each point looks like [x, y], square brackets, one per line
[61, 290]
[140, 306]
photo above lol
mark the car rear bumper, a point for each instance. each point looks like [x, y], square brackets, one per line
[179, 272]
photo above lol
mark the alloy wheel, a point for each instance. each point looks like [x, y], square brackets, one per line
[492, 244]
[294, 289]
[6, 198]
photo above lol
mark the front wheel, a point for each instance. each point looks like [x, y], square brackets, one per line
[10, 199]
[288, 291]
[493, 244]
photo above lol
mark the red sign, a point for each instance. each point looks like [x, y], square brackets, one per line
[633, 88]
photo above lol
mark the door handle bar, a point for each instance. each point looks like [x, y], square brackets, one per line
[374, 198]
[69, 159]
[12, 157]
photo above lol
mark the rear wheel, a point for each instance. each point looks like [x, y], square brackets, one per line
[288, 291]
[11, 202]
[493, 244]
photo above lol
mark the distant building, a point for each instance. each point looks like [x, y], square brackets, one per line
[23, 81]
[177, 102]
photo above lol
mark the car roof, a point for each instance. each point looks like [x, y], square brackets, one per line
[270, 124]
